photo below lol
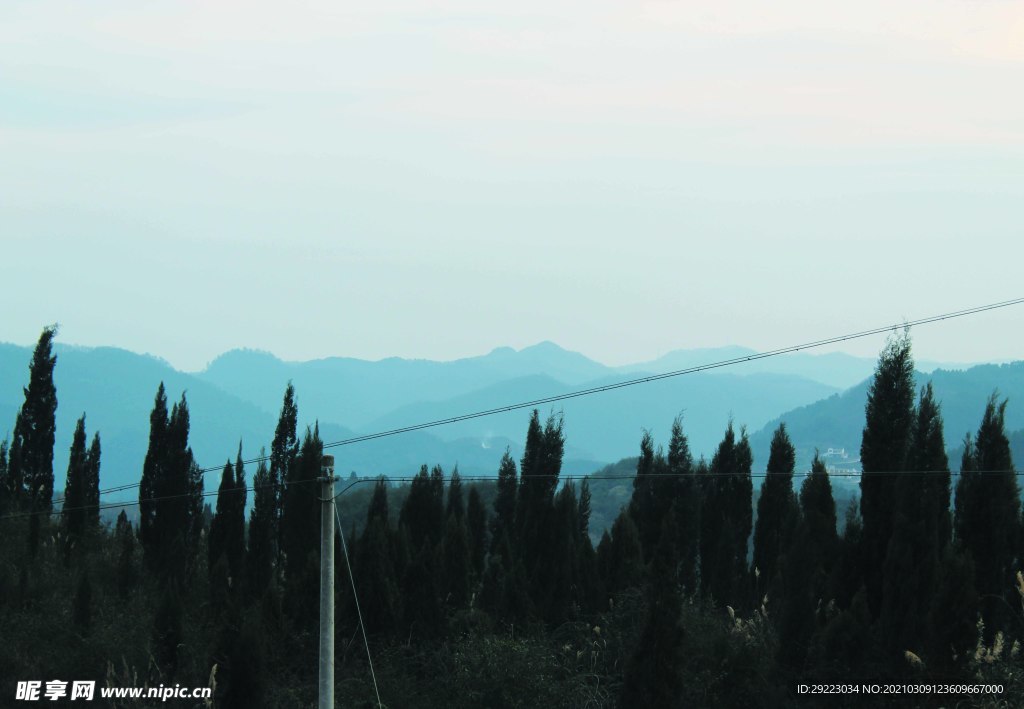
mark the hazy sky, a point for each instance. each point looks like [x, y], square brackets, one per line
[435, 179]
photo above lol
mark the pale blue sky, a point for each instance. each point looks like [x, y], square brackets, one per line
[438, 179]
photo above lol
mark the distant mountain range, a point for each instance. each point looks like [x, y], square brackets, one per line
[237, 397]
[838, 421]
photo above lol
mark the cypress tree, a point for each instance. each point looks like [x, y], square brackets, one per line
[180, 516]
[5, 481]
[920, 533]
[583, 511]
[73, 513]
[455, 550]
[170, 493]
[124, 537]
[541, 467]
[952, 632]
[561, 597]
[300, 525]
[376, 578]
[848, 573]
[883, 453]
[261, 528]
[456, 505]
[502, 524]
[987, 514]
[435, 509]
[620, 556]
[818, 516]
[807, 565]
[30, 459]
[776, 510]
[91, 485]
[643, 503]
[539, 471]
[153, 473]
[236, 522]
[727, 520]
[227, 530]
[687, 504]
[419, 513]
[654, 674]
[283, 451]
[476, 523]
[422, 614]
[589, 581]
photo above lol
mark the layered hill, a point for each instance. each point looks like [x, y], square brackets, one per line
[238, 396]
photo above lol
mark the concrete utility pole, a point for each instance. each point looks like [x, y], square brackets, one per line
[327, 582]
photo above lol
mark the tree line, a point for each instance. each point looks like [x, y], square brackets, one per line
[689, 599]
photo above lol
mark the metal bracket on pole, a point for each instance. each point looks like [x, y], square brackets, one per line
[327, 582]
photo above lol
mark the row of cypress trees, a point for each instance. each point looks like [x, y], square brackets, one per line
[26, 461]
[908, 576]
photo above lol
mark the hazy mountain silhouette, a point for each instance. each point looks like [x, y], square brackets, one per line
[239, 395]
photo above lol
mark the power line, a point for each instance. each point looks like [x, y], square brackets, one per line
[633, 382]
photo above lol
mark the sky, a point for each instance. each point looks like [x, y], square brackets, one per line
[439, 179]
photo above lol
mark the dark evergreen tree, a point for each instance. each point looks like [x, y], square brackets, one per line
[376, 579]
[776, 510]
[153, 474]
[30, 458]
[422, 513]
[300, 529]
[883, 452]
[502, 524]
[124, 536]
[456, 505]
[620, 556]
[262, 528]
[227, 530]
[73, 513]
[476, 523]
[590, 592]
[583, 511]
[217, 542]
[848, 572]
[5, 482]
[643, 505]
[654, 675]
[540, 470]
[987, 515]
[283, 451]
[687, 504]
[560, 598]
[180, 515]
[952, 632]
[170, 494]
[808, 565]
[538, 479]
[235, 527]
[920, 533]
[91, 485]
[422, 613]
[727, 520]
[455, 551]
